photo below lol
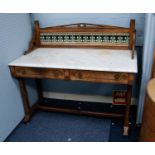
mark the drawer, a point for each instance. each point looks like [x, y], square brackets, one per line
[38, 73]
[96, 76]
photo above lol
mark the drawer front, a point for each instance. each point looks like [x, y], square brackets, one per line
[79, 75]
[38, 73]
[99, 76]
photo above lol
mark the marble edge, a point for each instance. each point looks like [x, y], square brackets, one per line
[72, 68]
[11, 64]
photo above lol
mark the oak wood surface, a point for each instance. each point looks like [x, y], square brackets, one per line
[107, 30]
[147, 133]
[84, 25]
[25, 100]
[39, 89]
[84, 46]
[79, 112]
[37, 32]
[74, 75]
[127, 109]
[85, 28]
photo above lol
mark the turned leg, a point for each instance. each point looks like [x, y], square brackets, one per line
[25, 100]
[127, 110]
[39, 89]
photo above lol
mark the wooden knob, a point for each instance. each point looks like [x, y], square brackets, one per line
[23, 71]
[117, 76]
[67, 74]
[79, 75]
[56, 73]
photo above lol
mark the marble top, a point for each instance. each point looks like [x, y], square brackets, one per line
[80, 59]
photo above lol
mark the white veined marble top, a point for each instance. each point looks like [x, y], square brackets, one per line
[79, 58]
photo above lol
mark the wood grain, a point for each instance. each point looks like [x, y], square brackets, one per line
[78, 112]
[39, 89]
[85, 28]
[74, 75]
[127, 110]
[89, 30]
[37, 32]
[147, 133]
[25, 100]
[132, 36]
[85, 46]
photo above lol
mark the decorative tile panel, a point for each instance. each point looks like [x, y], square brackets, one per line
[105, 39]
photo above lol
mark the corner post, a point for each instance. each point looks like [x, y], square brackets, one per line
[127, 110]
[132, 37]
[26, 104]
[39, 89]
[37, 32]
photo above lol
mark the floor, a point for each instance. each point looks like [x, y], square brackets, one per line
[113, 127]
[116, 132]
[61, 127]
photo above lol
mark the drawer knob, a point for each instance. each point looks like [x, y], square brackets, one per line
[67, 74]
[79, 75]
[23, 71]
[117, 76]
[56, 73]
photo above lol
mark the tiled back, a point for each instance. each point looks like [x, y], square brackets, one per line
[82, 38]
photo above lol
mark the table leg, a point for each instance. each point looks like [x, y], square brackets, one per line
[26, 104]
[39, 89]
[127, 110]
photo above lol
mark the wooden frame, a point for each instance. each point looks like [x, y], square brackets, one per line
[76, 75]
[82, 29]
